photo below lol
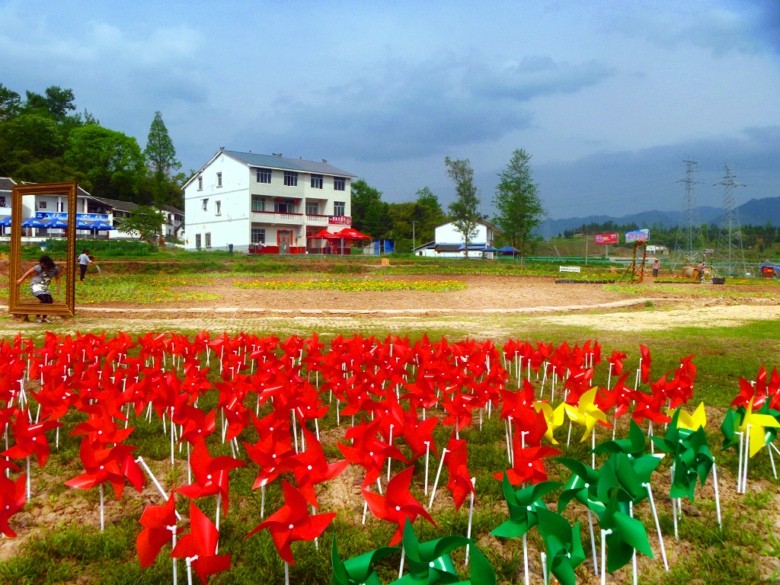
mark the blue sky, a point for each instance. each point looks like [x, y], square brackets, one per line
[608, 97]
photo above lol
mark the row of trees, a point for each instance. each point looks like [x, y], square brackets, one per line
[519, 209]
[44, 139]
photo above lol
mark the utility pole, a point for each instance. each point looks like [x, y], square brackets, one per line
[733, 231]
[413, 234]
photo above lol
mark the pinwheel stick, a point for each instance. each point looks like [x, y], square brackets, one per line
[436, 481]
[403, 557]
[471, 516]
[657, 525]
[102, 517]
[739, 462]
[390, 459]
[525, 558]
[633, 556]
[427, 454]
[593, 543]
[772, 461]
[604, 534]
[286, 573]
[544, 567]
[717, 495]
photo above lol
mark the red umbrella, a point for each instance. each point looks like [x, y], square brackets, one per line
[351, 234]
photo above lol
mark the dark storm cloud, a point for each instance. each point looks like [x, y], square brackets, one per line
[401, 111]
[617, 183]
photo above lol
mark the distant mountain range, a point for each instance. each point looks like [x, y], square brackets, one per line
[754, 212]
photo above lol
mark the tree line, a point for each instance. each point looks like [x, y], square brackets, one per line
[44, 139]
[519, 209]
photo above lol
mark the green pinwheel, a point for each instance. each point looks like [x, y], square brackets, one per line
[625, 478]
[430, 562]
[563, 544]
[624, 535]
[730, 427]
[692, 457]
[359, 570]
[633, 446]
[523, 507]
[582, 486]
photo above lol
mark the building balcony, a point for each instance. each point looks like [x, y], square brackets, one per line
[313, 219]
[278, 217]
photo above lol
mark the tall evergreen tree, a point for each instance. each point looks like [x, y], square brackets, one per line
[161, 160]
[465, 209]
[519, 208]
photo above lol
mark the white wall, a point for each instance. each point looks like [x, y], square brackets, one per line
[447, 234]
[231, 226]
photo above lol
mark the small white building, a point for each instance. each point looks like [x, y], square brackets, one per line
[450, 243]
[90, 210]
[263, 203]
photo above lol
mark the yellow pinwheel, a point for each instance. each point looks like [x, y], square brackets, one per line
[554, 418]
[758, 424]
[586, 413]
[695, 421]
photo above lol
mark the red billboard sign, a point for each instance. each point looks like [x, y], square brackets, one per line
[339, 220]
[606, 239]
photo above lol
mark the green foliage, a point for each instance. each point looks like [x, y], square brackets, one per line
[145, 222]
[520, 210]
[369, 212]
[111, 161]
[465, 208]
[161, 159]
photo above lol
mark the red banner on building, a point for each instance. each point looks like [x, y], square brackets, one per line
[606, 239]
[339, 220]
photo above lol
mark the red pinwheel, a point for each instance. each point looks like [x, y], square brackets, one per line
[419, 436]
[30, 439]
[211, 474]
[12, 498]
[397, 504]
[292, 522]
[368, 451]
[456, 460]
[646, 361]
[273, 450]
[311, 467]
[201, 545]
[159, 524]
[616, 359]
[111, 465]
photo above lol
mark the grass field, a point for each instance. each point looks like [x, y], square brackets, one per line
[61, 541]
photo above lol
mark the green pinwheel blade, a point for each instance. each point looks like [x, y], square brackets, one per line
[358, 569]
[628, 534]
[482, 572]
[523, 506]
[634, 445]
[581, 486]
[729, 427]
[563, 544]
[429, 562]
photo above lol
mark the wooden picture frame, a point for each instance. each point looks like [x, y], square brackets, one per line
[20, 300]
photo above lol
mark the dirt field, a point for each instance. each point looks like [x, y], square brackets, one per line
[489, 306]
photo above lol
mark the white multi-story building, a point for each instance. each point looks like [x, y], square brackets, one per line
[264, 203]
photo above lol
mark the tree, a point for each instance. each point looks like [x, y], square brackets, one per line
[369, 212]
[144, 221]
[57, 102]
[161, 160]
[519, 208]
[465, 209]
[10, 103]
[111, 161]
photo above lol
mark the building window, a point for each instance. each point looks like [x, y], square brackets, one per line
[218, 208]
[2, 201]
[208, 239]
[284, 205]
[339, 183]
[338, 208]
[263, 175]
[197, 241]
[312, 208]
[316, 181]
[42, 205]
[205, 204]
[219, 179]
[258, 235]
[290, 178]
[200, 183]
[258, 203]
